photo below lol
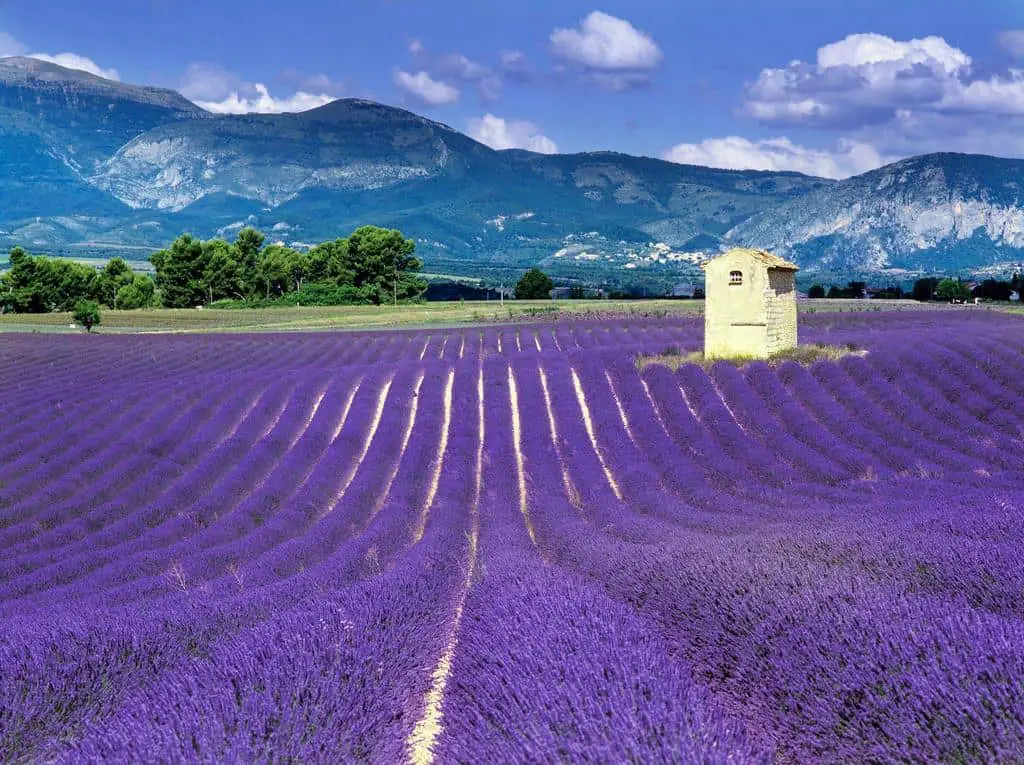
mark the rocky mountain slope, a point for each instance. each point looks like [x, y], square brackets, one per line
[939, 211]
[93, 166]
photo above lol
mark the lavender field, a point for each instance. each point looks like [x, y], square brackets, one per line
[510, 545]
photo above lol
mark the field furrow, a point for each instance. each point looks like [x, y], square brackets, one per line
[514, 544]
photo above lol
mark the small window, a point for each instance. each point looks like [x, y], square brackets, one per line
[735, 277]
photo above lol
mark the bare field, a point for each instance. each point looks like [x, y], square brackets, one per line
[440, 314]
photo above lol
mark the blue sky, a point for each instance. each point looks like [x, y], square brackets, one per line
[823, 87]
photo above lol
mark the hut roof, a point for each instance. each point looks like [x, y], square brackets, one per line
[772, 261]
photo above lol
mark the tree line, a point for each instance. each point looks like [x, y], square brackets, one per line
[371, 266]
[928, 288]
[40, 285]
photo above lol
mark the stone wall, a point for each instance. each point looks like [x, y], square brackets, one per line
[780, 310]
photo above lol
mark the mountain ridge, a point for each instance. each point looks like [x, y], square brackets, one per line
[87, 162]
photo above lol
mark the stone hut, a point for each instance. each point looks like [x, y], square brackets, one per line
[750, 304]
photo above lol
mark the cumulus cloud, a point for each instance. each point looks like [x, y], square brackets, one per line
[883, 98]
[1012, 41]
[81, 63]
[219, 90]
[10, 47]
[608, 50]
[606, 42]
[865, 50]
[426, 89]
[436, 73]
[901, 96]
[866, 79]
[736, 153]
[499, 133]
[459, 67]
[209, 82]
[262, 102]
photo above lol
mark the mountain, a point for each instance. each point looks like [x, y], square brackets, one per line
[91, 166]
[939, 212]
[57, 126]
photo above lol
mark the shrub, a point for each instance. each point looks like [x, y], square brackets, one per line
[87, 313]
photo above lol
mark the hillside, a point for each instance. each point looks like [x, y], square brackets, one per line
[941, 211]
[89, 166]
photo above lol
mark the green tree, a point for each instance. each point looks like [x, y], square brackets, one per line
[179, 273]
[892, 292]
[115, 275]
[281, 270]
[534, 285]
[248, 245]
[87, 313]
[141, 293]
[223, 275]
[816, 291]
[577, 292]
[924, 289]
[328, 263]
[952, 289]
[856, 290]
[40, 284]
[382, 263]
[20, 293]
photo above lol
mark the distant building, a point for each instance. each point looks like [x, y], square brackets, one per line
[750, 308]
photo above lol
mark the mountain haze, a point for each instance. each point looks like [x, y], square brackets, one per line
[89, 165]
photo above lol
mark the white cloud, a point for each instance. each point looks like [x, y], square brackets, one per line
[264, 103]
[866, 79]
[217, 89]
[209, 82]
[464, 67]
[499, 133]
[416, 47]
[866, 50]
[66, 60]
[513, 59]
[1012, 41]
[606, 45]
[900, 97]
[516, 66]
[736, 153]
[459, 67]
[9, 46]
[424, 88]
